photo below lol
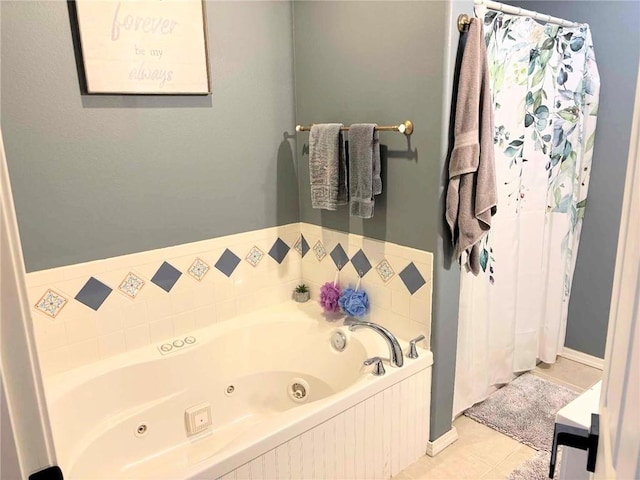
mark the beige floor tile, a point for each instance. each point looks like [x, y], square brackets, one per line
[464, 467]
[455, 462]
[569, 373]
[402, 476]
[483, 442]
[483, 453]
[508, 465]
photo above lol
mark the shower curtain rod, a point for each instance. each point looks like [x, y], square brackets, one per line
[481, 7]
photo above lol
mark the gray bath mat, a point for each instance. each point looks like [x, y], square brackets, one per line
[524, 410]
[537, 468]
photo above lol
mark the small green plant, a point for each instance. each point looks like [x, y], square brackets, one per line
[302, 288]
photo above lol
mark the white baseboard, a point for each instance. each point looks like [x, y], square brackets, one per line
[442, 442]
[583, 358]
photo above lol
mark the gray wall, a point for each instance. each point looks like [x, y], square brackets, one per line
[616, 38]
[98, 176]
[381, 64]
[385, 62]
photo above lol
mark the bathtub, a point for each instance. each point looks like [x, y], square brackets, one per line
[124, 417]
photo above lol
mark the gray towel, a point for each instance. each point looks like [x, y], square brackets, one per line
[471, 193]
[327, 166]
[364, 169]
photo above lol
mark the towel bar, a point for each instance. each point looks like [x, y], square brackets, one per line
[405, 127]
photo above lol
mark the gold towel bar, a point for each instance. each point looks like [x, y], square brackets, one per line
[405, 127]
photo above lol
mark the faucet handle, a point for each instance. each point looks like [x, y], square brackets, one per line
[413, 353]
[378, 368]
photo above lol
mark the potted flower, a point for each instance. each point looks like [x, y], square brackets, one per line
[301, 293]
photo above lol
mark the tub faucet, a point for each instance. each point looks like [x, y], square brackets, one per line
[395, 352]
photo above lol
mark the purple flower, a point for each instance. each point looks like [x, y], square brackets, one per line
[329, 296]
[354, 303]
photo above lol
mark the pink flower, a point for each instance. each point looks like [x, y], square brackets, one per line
[329, 296]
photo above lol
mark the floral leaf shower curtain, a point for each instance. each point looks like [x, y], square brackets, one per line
[545, 84]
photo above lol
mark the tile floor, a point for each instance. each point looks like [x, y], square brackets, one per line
[483, 453]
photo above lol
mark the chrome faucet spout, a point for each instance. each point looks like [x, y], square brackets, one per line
[395, 352]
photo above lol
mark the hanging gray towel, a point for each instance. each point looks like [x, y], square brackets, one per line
[471, 193]
[364, 169]
[327, 166]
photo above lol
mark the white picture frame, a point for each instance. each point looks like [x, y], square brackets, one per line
[144, 47]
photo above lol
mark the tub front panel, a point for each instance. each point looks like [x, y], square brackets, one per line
[374, 439]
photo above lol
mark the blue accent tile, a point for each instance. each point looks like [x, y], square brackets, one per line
[412, 278]
[227, 262]
[339, 257]
[166, 276]
[361, 263]
[304, 246]
[279, 250]
[93, 294]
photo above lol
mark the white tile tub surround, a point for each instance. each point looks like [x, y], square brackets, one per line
[138, 312]
[374, 439]
[392, 305]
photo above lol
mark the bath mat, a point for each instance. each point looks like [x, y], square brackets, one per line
[536, 468]
[524, 410]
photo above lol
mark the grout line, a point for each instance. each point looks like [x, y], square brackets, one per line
[481, 460]
[532, 454]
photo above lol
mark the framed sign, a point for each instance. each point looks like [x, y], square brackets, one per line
[144, 46]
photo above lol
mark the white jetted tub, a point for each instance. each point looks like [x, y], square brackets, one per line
[283, 403]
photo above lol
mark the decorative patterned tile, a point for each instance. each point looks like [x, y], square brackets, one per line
[198, 269]
[227, 262]
[339, 257]
[279, 250]
[361, 263]
[319, 251]
[411, 278]
[131, 285]
[385, 270]
[302, 246]
[166, 276]
[51, 303]
[94, 293]
[254, 256]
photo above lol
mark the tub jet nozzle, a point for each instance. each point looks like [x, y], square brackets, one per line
[298, 390]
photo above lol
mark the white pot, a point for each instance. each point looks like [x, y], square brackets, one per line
[301, 297]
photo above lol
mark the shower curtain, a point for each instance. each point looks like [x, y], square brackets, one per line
[545, 84]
